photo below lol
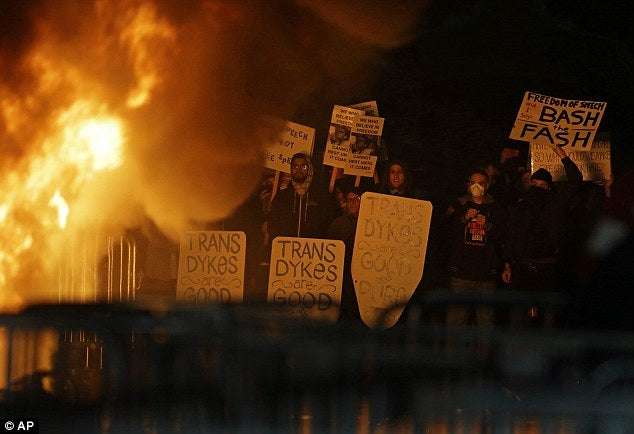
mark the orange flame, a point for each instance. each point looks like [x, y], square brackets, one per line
[69, 132]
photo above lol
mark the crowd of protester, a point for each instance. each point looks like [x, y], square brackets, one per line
[510, 230]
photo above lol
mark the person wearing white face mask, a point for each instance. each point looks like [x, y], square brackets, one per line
[476, 226]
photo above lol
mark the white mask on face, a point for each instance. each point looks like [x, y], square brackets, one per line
[476, 190]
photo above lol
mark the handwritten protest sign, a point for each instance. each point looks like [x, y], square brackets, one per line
[211, 267]
[595, 164]
[547, 120]
[364, 143]
[389, 254]
[294, 138]
[338, 143]
[306, 275]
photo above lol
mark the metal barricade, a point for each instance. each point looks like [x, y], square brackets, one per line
[119, 369]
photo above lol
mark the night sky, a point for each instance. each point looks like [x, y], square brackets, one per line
[451, 96]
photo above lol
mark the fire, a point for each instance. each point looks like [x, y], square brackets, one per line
[69, 126]
[36, 202]
[60, 204]
[94, 144]
[110, 109]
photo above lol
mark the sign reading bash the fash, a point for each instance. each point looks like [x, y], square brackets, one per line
[293, 139]
[306, 275]
[594, 164]
[365, 138]
[338, 143]
[547, 120]
[389, 255]
[211, 267]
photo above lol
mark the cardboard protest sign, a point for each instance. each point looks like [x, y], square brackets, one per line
[567, 123]
[364, 144]
[369, 108]
[294, 138]
[338, 144]
[306, 275]
[389, 254]
[594, 164]
[211, 267]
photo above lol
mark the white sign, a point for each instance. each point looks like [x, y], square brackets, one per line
[567, 123]
[293, 139]
[365, 138]
[338, 143]
[306, 276]
[389, 255]
[211, 267]
[594, 164]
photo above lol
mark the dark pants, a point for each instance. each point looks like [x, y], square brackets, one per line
[459, 315]
[538, 277]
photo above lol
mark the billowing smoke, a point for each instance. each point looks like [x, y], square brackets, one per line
[114, 110]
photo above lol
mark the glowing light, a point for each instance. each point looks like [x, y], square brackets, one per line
[67, 127]
[58, 202]
[86, 139]
[4, 211]
[104, 140]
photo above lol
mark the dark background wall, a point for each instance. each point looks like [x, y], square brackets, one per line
[451, 96]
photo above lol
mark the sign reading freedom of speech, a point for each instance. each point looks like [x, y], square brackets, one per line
[595, 165]
[211, 267]
[338, 143]
[293, 139]
[548, 120]
[389, 255]
[306, 276]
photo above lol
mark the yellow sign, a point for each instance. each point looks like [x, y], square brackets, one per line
[389, 255]
[338, 144]
[547, 120]
[306, 275]
[595, 165]
[211, 267]
[293, 139]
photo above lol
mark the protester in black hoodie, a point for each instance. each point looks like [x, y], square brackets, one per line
[303, 209]
[537, 227]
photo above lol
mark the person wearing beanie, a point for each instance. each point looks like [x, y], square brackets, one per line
[542, 176]
[506, 174]
[535, 234]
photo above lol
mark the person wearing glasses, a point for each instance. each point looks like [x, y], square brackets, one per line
[303, 209]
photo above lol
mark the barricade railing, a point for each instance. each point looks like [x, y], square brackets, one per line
[119, 368]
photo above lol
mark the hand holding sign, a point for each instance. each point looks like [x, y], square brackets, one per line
[559, 151]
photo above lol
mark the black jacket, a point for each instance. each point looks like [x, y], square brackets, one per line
[536, 226]
[307, 215]
[475, 245]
